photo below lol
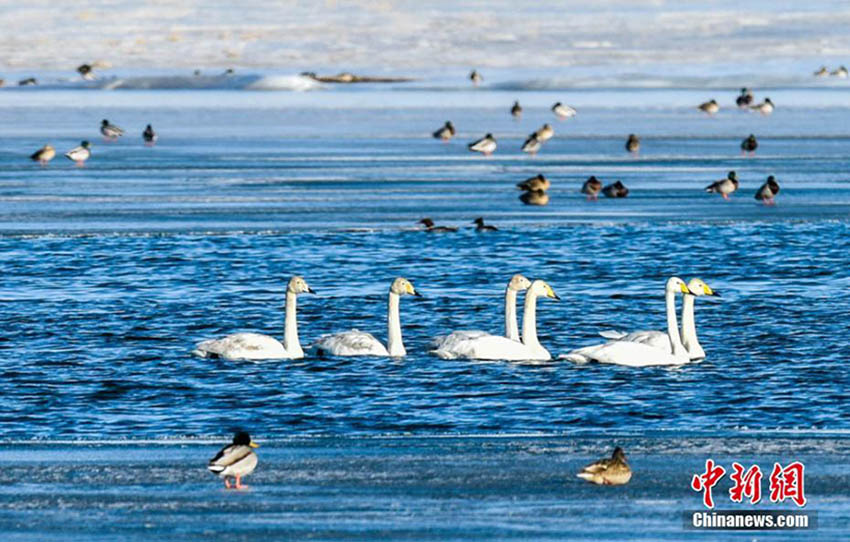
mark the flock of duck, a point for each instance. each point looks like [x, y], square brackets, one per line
[672, 347]
[82, 152]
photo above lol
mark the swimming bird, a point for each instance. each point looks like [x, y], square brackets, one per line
[545, 133]
[475, 77]
[358, 343]
[538, 183]
[534, 197]
[765, 108]
[431, 228]
[613, 471]
[822, 72]
[563, 111]
[460, 343]
[516, 110]
[633, 144]
[110, 131]
[86, 71]
[235, 460]
[446, 131]
[481, 226]
[636, 354]
[768, 191]
[149, 136]
[592, 186]
[486, 145]
[254, 346]
[532, 145]
[616, 190]
[80, 154]
[749, 145]
[724, 187]
[709, 107]
[840, 72]
[43, 155]
[659, 339]
[492, 347]
[745, 98]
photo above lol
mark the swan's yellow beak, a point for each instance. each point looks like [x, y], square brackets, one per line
[253, 444]
[684, 288]
[708, 291]
[551, 293]
[411, 290]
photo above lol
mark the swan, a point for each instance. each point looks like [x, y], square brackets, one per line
[447, 343]
[254, 346]
[491, 347]
[635, 354]
[359, 343]
[659, 339]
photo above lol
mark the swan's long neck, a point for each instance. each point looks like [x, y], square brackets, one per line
[394, 344]
[529, 321]
[290, 329]
[511, 327]
[689, 329]
[673, 325]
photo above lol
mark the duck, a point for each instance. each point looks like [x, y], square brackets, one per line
[43, 155]
[359, 343]
[534, 197]
[149, 136]
[516, 110]
[611, 471]
[28, 82]
[544, 133]
[841, 72]
[532, 145]
[236, 460]
[80, 153]
[633, 144]
[616, 190]
[431, 228]
[110, 131]
[749, 145]
[255, 346]
[538, 183]
[709, 107]
[86, 71]
[768, 191]
[822, 72]
[765, 108]
[745, 98]
[724, 187]
[592, 186]
[481, 226]
[563, 111]
[445, 132]
[475, 77]
[486, 145]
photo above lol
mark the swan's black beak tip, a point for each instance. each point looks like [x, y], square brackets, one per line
[310, 290]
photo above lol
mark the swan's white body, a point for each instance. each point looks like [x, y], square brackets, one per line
[359, 343]
[637, 354]
[483, 346]
[255, 346]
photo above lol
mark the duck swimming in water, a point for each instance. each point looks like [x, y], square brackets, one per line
[724, 187]
[768, 191]
[481, 226]
[430, 227]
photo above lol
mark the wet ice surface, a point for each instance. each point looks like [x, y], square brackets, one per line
[402, 488]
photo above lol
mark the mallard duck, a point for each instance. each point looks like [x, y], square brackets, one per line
[611, 471]
[110, 131]
[43, 155]
[724, 187]
[475, 77]
[633, 144]
[534, 197]
[86, 71]
[28, 82]
[563, 111]
[822, 72]
[765, 108]
[768, 191]
[709, 107]
[80, 153]
[430, 227]
[486, 145]
[535, 184]
[592, 186]
[516, 110]
[532, 145]
[840, 72]
[149, 136]
[446, 131]
[616, 190]
[745, 98]
[235, 460]
[545, 133]
[749, 144]
[481, 226]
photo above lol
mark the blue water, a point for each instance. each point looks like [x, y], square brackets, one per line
[109, 274]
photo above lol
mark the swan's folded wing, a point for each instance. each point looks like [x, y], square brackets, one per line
[653, 338]
[350, 343]
[489, 347]
[612, 334]
[626, 353]
[242, 346]
[448, 342]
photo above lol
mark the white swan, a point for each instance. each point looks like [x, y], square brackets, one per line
[492, 347]
[635, 354]
[457, 341]
[358, 343]
[254, 346]
[660, 339]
